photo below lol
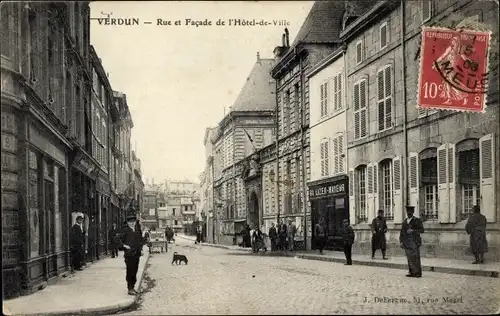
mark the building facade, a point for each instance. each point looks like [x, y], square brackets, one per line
[328, 188]
[207, 186]
[441, 162]
[247, 128]
[311, 45]
[45, 69]
[138, 186]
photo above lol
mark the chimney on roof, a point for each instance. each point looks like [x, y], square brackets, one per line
[258, 56]
[287, 38]
[283, 40]
[279, 51]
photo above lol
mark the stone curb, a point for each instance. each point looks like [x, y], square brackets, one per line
[106, 310]
[390, 265]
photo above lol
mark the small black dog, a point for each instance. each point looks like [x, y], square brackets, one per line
[178, 259]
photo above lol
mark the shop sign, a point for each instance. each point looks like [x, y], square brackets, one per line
[327, 190]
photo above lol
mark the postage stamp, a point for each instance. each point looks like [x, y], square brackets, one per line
[453, 70]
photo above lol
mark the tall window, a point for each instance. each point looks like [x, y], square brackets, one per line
[286, 113]
[359, 52]
[324, 148]
[338, 154]
[33, 31]
[386, 194]
[429, 183]
[384, 35]
[468, 177]
[324, 99]
[34, 207]
[296, 104]
[361, 204]
[360, 110]
[337, 92]
[384, 100]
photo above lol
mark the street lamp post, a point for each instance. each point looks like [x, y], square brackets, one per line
[286, 182]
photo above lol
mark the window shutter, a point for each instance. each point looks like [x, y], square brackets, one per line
[380, 102]
[339, 91]
[340, 143]
[363, 106]
[397, 206]
[452, 187]
[335, 155]
[487, 173]
[327, 158]
[357, 118]
[322, 158]
[443, 188]
[352, 197]
[321, 93]
[413, 175]
[376, 200]
[388, 93]
[370, 200]
[326, 103]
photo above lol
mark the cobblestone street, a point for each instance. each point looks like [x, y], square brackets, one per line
[218, 281]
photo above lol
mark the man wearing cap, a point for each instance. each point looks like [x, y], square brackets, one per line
[410, 241]
[77, 240]
[131, 243]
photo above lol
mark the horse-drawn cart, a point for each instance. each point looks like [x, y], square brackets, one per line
[157, 242]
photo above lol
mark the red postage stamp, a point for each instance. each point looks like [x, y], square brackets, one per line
[453, 69]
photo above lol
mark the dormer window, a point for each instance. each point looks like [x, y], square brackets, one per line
[359, 52]
[384, 35]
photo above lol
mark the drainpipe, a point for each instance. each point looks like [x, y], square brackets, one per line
[302, 151]
[277, 159]
[405, 200]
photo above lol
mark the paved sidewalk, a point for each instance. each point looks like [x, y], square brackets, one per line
[489, 269]
[98, 289]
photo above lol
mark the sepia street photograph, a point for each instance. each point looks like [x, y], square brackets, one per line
[250, 157]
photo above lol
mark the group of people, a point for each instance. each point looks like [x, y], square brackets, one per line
[129, 239]
[281, 237]
[409, 238]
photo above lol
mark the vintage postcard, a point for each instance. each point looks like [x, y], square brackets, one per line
[250, 157]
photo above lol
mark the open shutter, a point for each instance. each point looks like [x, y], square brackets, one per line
[370, 201]
[443, 189]
[487, 173]
[376, 200]
[340, 143]
[397, 206]
[414, 177]
[322, 159]
[452, 186]
[352, 201]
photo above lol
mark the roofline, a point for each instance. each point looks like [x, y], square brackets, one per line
[326, 61]
[364, 20]
[101, 72]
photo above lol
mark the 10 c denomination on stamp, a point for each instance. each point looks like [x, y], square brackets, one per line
[453, 69]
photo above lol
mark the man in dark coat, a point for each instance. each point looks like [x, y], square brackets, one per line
[410, 240]
[114, 240]
[131, 243]
[476, 228]
[273, 235]
[282, 235]
[379, 228]
[320, 235]
[348, 237]
[77, 242]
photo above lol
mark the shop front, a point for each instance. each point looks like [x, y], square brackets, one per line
[330, 201]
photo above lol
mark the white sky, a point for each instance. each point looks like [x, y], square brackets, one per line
[178, 79]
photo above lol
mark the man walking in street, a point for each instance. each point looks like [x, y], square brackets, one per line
[348, 241]
[379, 228]
[114, 240]
[410, 240]
[292, 230]
[320, 235]
[77, 241]
[272, 236]
[476, 228]
[131, 242]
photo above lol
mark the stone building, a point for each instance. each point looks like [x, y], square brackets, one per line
[247, 128]
[45, 70]
[441, 162]
[317, 38]
[207, 188]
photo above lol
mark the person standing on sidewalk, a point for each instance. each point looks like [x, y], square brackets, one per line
[114, 240]
[320, 235]
[77, 241]
[379, 228]
[282, 235]
[410, 240]
[292, 230]
[131, 243]
[272, 236]
[476, 228]
[348, 241]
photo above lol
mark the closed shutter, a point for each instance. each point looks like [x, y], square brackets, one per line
[380, 102]
[452, 186]
[335, 156]
[340, 143]
[376, 186]
[370, 200]
[443, 188]
[322, 158]
[487, 174]
[357, 114]
[414, 177]
[352, 200]
[363, 105]
[397, 206]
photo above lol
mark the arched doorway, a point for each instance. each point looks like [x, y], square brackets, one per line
[254, 209]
